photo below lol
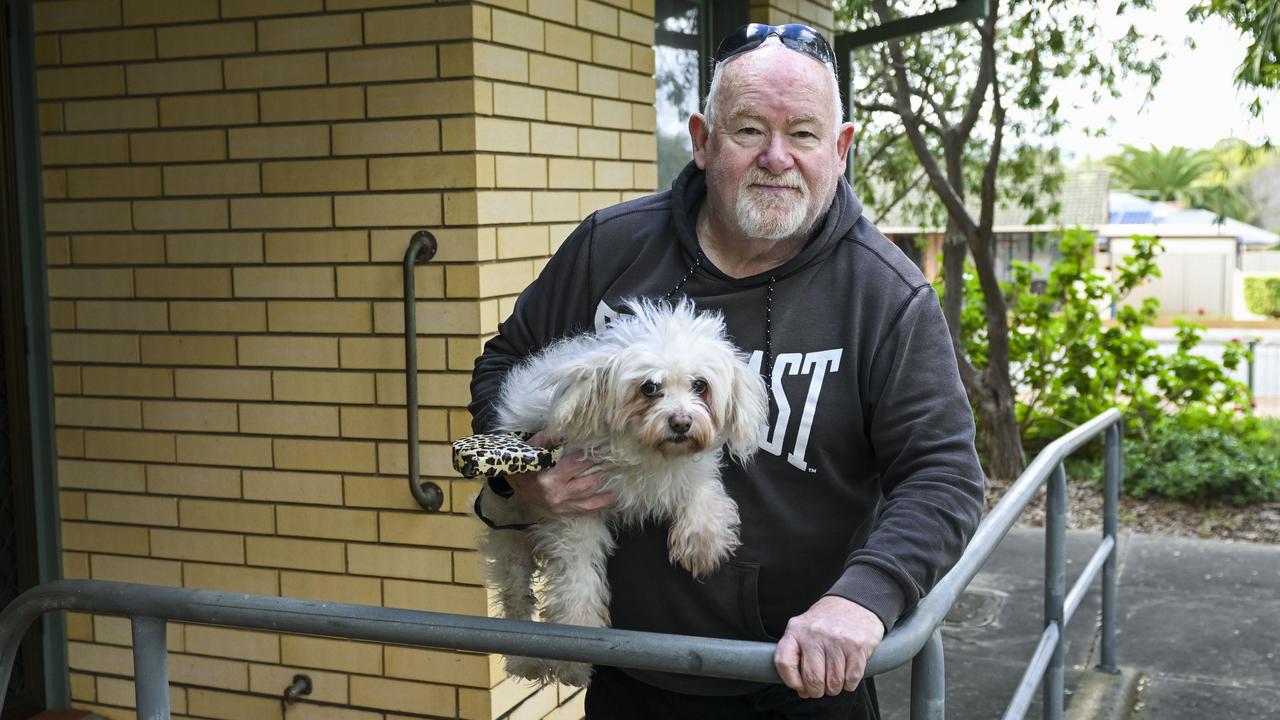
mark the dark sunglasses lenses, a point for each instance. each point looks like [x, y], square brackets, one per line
[800, 38]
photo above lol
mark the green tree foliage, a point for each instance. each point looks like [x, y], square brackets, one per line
[963, 112]
[1160, 174]
[1259, 22]
[1071, 364]
[1255, 171]
[1262, 295]
[1194, 178]
[1190, 432]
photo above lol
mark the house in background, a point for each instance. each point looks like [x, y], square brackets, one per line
[1082, 202]
[1205, 258]
[1202, 265]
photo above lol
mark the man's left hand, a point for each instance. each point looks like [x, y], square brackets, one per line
[825, 650]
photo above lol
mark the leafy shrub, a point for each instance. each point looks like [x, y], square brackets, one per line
[1197, 458]
[1190, 433]
[1069, 365]
[1262, 295]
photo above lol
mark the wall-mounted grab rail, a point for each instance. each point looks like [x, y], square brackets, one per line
[916, 638]
[422, 247]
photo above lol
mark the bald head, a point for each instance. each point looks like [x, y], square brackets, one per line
[773, 62]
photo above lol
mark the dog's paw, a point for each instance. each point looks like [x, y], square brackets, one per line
[571, 673]
[700, 553]
[536, 669]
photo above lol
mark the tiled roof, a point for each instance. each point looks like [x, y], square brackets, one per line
[1083, 199]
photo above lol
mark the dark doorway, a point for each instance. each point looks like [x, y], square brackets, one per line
[18, 562]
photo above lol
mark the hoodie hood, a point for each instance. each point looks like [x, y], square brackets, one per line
[690, 188]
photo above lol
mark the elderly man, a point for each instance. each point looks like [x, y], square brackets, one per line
[867, 486]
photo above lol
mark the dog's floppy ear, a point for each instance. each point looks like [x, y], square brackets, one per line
[746, 412]
[578, 408]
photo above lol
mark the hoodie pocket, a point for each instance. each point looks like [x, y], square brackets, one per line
[749, 598]
[650, 593]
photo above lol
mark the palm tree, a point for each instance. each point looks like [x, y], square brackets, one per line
[1194, 178]
[1156, 174]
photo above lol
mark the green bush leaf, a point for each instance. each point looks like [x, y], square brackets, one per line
[1190, 431]
[1262, 295]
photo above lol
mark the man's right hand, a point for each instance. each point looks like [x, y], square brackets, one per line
[570, 488]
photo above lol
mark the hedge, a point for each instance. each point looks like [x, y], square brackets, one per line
[1262, 295]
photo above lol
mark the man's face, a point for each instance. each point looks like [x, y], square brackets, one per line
[776, 152]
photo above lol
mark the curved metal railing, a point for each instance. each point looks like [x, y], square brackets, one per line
[916, 638]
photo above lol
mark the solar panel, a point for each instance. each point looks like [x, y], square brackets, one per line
[1131, 217]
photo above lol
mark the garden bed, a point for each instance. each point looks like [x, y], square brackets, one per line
[1257, 523]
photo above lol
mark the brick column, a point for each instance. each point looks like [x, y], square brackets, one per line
[779, 12]
[230, 188]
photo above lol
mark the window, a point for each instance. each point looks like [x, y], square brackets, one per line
[685, 35]
[677, 67]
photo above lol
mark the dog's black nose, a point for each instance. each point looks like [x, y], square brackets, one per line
[679, 423]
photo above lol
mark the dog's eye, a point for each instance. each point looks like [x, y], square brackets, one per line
[649, 388]
[699, 386]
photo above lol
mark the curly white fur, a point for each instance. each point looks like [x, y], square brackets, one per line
[654, 398]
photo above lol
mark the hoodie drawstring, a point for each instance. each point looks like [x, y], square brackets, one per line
[766, 366]
[697, 260]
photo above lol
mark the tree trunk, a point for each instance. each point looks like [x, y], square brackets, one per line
[1000, 439]
[955, 249]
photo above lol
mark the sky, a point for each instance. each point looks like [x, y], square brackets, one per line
[1196, 103]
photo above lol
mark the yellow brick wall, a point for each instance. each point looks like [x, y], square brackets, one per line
[809, 12]
[230, 186]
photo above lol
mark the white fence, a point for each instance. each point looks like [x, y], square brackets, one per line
[1263, 377]
[1260, 262]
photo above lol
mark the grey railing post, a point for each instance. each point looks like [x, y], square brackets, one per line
[151, 668]
[422, 247]
[929, 681]
[1055, 586]
[1252, 363]
[1114, 476]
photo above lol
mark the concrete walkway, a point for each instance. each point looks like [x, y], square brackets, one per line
[1199, 633]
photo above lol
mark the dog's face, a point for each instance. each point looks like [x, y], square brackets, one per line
[669, 411]
[666, 381]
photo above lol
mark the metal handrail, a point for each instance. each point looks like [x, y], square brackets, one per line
[916, 637]
[910, 634]
[422, 247]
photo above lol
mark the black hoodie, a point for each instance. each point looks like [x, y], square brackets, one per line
[868, 486]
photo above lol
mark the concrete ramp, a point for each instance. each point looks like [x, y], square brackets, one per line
[1198, 637]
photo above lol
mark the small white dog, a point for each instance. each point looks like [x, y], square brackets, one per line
[653, 399]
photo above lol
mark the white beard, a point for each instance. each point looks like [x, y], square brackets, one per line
[766, 215]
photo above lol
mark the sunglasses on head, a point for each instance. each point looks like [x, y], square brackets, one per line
[801, 38]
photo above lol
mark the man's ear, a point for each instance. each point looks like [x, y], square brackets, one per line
[844, 138]
[699, 132]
